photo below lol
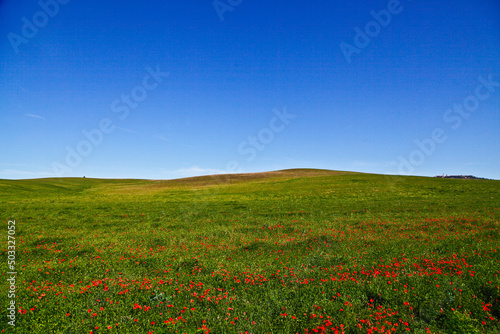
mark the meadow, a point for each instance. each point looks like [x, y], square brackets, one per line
[295, 251]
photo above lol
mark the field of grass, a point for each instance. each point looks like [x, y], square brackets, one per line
[297, 251]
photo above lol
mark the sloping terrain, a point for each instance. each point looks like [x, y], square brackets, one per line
[284, 252]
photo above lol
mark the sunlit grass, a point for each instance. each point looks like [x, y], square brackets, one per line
[287, 252]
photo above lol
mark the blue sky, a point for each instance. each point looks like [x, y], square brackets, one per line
[176, 88]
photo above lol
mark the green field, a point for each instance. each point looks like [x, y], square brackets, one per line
[296, 251]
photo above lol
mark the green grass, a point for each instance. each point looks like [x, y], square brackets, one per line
[279, 252]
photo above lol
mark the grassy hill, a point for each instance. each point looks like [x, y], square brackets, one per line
[282, 252]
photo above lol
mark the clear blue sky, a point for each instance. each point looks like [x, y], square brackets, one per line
[346, 100]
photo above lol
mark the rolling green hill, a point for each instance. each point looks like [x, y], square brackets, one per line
[282, 252]
[296, 189]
